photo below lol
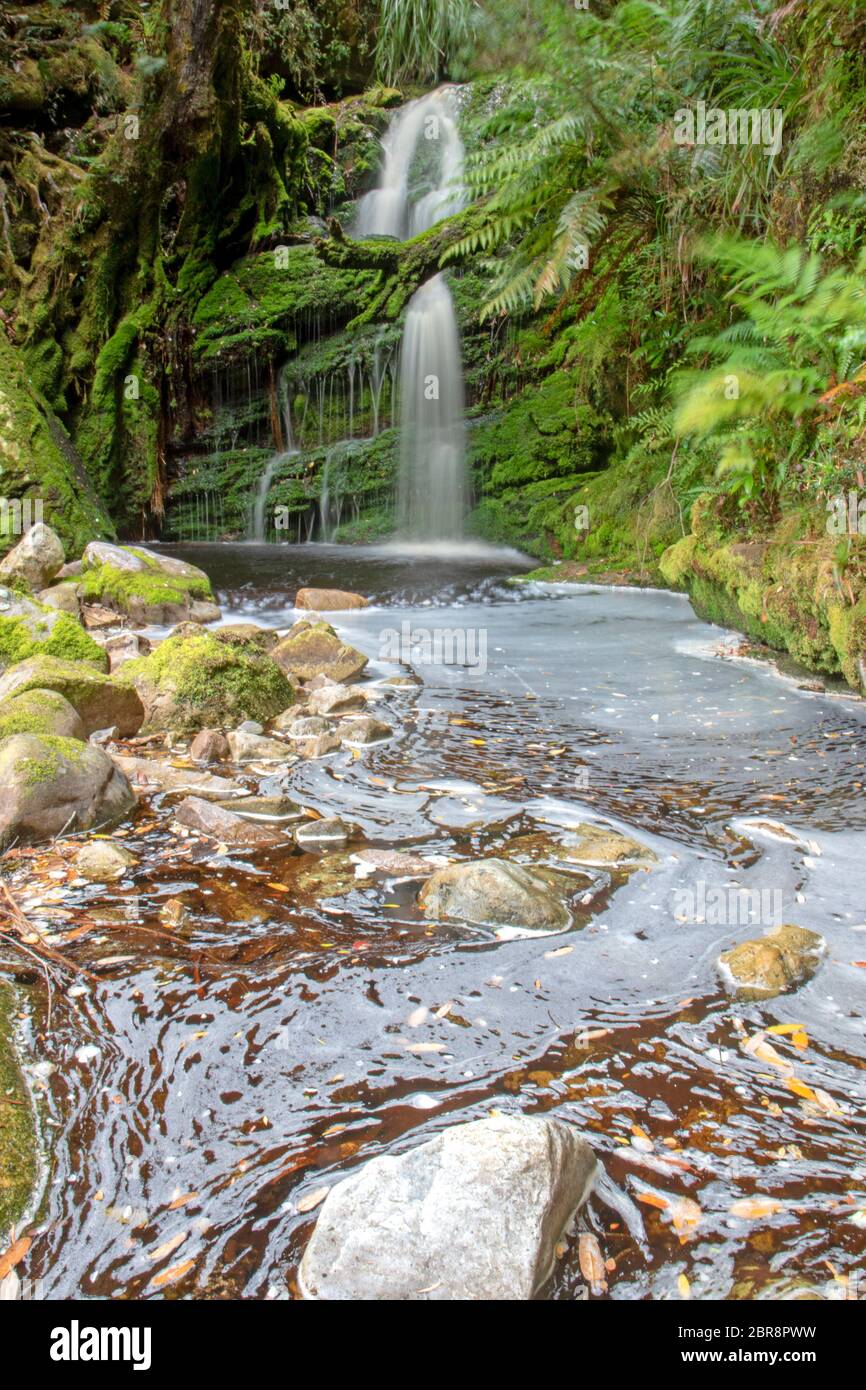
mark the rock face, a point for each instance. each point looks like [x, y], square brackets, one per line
[99, 701]
[223, 825]
[496, 893]
[786, 957]
[49, 785]
[328, 600]
[28, 628]
[193, 681]
[474, 1214]
[36, 558]
[314, 649]
[40, 712]
[103, 861]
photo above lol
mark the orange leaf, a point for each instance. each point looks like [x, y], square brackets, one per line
[686, 1216]
[654, 1199]
[591, 1263]
[168, 1276]
[14, 1255]
[800, 1088]
[753, 1208]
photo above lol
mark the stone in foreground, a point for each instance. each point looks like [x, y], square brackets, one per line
[314, 649]
[495, 893]
[600, 847]
[474, 1214]
[328, 600]
[50, 786]
[768, 965]
[219, 824]
[99, 702]
[103, 861]
[36, 558]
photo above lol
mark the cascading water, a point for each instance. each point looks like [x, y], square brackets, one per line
[257, 526]
[419, 185]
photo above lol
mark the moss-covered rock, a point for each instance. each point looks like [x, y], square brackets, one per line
[196, 680]
[36, 558]
[145, 587]
[314, 649]
[786, 957]
[51, 785]
[28, 628]
[99, 701]
[19, 1154]
[40, 712]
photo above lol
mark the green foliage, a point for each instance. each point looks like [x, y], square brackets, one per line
[417, 38]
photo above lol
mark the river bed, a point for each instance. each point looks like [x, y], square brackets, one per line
[224, 1083]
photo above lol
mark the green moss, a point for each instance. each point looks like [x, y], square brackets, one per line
[37, 712]
[210, 681]
[66, 638]
[676, 562]
[48, 768]
[118, 588]
[19, 1154]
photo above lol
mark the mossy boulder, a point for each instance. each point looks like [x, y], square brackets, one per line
[600, 847]
[63, 596]
[40, 712]
[100, 701]
[496, 893]
[314, 649]
[28, 628]
[786, 957]
[36, 558]
[146, 587]
[197, 681]
[50, 786]
[19, 1155]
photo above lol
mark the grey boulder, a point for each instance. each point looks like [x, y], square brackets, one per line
[474, 1214]
[57, 785]
[36, 558]
[496, 893]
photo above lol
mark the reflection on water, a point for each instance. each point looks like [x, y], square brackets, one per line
[252, 1015]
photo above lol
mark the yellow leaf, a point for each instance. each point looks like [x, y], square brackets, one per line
[800, 1088]
[684, 1286]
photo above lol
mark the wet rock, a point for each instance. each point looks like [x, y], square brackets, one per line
[335, 699]
[308, 726]
[317, 746]
[322, 834]
[152, 774]
[200, 611]
[313, 649]
[246, 748]
[29, 628]
[40, 712]
[493, 892]
[210, 746]
[362, 730]
[96, 615]
[599, 847]
[223, 825]
[103, 861]
[63, 597]
[328, 600]
[787, 956]
[193, 681]
[405, 682]
[396, 864]
[318, 683]
[125, 646]
[474, 1214]
[273, 809]
[99, 700]
[51, 786]
[36, 559]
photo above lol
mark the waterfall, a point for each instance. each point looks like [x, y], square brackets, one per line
[257, 526]
[420, 184]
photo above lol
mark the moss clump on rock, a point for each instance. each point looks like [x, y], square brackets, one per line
[19, 1155]
[40, 712]
[54, 633]
[148, 593]
[100, 701]
[195, 680]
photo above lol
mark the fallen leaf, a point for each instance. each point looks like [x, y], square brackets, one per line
[312, 1199]
[168, 1276]
[685, 1288]
[686, 1216]
[591, 1263]
[754, 1208]
[14, 1255]
[168, 1247]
